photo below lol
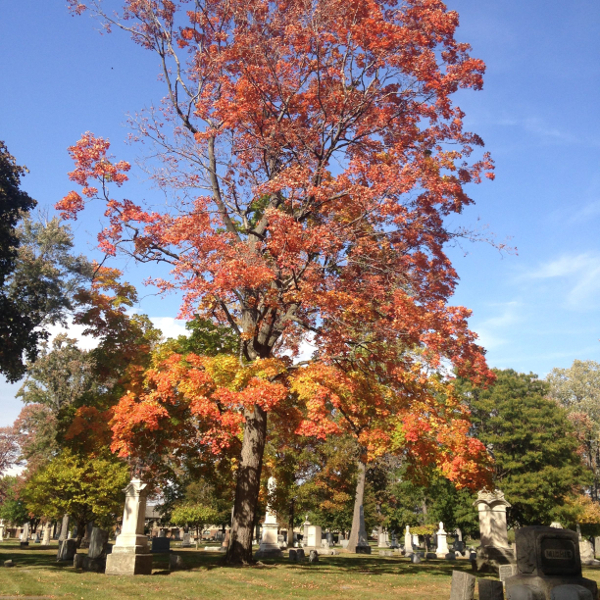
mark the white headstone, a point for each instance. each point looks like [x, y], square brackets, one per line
[314, 536]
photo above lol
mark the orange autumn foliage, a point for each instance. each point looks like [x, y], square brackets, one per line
[312, 155]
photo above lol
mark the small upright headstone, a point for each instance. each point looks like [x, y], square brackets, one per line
[293, 555]
[490, 589]
[300, 554]
[415, 558]
[186, 543]
[176, 562]
[463, 586]
[161, 545]
[313, 557]
[506, 571]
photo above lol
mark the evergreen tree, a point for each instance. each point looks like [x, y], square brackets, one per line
[533, 444]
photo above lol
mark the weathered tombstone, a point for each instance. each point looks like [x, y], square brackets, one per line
[597, 546]
[408, 541]
[344, 543]
[495, 549]
[161, 545]
[293, 555]
[186, 543]
[490, 589]
[176, 562]
[98, 541]
[329, 537]
[415, 539]
[458, 534]
[131, 555]
[313, 556]
[66, 550]
[300, 555]
[9, 563]
[415, 558]
[269, 548]
[1, 530]
[463, 586]
[442, 544]
[571, 592]
[382, 541]
[548, 558]
[78, 561]
[386, 553]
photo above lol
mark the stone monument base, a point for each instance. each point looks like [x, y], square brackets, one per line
[268, 553]
[129, 564]
[490, 558]
[547, 584]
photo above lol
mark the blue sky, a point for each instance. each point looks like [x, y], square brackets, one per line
[537, 114]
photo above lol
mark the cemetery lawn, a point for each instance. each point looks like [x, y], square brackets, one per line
[347, 577]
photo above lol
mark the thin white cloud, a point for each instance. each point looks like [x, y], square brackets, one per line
[582, 272]
[491, 331]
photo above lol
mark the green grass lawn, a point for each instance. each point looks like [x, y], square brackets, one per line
[348, 577]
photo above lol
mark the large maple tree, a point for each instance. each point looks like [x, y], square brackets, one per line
[312, 154]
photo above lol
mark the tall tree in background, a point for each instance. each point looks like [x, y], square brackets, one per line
[312, 155]
[16, 335]
[577, 389]
[533, 444]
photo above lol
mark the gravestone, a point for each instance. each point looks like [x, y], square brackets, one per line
[47, 534]
[313, 556]
[1, 530]
[131, 555]
[597, 546]
[408, 548]
[442, 544]
[314, 537]
[98, 543]
[463, 586]
[495, 549]
[415, 558]
[161, 545]
[186, 543]
[293, 555]
[66, 550]
[25, 534]
[269, 548]
[548, 558]
[300, 555]
[490, 589]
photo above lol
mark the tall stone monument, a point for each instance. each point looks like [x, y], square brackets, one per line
[495, 549]
[442, 543]
[131, 555]
[1, 530]
[269, 546]
[408, 547]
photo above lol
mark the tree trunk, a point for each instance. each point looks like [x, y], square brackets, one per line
[358, 503]
[248, 487]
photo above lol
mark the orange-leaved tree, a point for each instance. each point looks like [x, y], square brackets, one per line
[312, 154]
